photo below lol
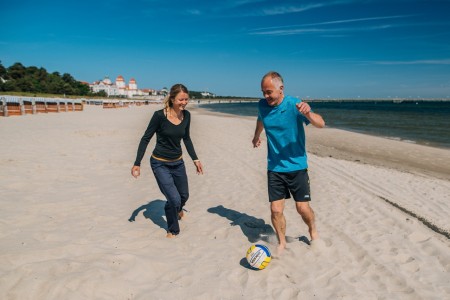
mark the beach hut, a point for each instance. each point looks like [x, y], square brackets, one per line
[70, 105]
[29, 107]
[2, 106]
[94, 102]
[52, 105]
[12, 106]
[41, 106]
[62, 105]
[78, 105]
[108, 104]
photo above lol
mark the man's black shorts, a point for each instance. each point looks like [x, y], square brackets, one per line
[282, 185]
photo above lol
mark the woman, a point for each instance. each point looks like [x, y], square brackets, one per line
[170, 124]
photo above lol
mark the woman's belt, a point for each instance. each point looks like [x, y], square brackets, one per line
[165, 159]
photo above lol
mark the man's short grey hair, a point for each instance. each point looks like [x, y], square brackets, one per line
[277, 79]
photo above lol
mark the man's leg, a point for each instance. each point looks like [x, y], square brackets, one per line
[279, 222]
[307, 213]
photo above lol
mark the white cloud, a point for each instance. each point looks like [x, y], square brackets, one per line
[281, 10]
[195, 12]
[415, 62]
[293, 31]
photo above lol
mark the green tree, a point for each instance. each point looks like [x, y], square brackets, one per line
[9, 86]
[100, 94]
[3, 72]
[16, 71]
[24, 85]
[68, 78]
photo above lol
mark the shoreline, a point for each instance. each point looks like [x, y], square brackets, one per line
[369, 149]
[420, 138]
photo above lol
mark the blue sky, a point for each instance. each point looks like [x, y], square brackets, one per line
[337, 49]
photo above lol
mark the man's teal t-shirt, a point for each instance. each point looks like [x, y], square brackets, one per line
[285, 135]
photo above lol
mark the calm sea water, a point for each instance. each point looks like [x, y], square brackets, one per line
[422, 122]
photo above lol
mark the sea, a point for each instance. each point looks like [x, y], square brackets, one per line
[423, 122]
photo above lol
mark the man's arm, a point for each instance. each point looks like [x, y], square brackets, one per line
[258, 130]
[315, 119]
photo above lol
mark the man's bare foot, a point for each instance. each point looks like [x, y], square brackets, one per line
[314, 235]
[279, 251]
[181, 215]
[170, 235]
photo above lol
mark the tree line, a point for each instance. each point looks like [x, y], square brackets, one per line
[21, 79]
[18, 78]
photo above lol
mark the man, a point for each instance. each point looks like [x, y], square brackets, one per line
[282, 117]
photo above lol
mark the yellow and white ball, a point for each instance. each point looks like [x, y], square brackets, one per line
[258, 256]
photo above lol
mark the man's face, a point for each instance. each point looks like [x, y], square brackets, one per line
[273, 95]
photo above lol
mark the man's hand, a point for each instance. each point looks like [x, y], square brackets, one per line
[256, 142]
[303, 108]
[315, 119]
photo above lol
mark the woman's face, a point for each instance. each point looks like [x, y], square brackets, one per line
[180, 101]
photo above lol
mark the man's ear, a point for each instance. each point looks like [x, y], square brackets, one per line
[282, 88]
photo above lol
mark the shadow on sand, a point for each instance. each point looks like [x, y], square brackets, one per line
[154, 210]
[253, 228]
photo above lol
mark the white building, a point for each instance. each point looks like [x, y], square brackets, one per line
[117, 89]
[208, 94]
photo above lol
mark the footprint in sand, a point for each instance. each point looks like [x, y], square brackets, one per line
[319, 246]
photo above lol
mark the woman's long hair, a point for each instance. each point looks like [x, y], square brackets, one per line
[174, 91]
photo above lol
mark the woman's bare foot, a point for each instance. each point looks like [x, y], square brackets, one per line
[170, 235]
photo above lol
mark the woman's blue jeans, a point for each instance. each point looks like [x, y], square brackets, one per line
[173, 183]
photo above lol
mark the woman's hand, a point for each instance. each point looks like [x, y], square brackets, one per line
[199, 167]
[135, 171]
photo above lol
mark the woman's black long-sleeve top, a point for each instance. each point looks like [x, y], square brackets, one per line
[168, 137]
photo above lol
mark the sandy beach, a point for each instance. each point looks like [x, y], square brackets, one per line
[74, 224]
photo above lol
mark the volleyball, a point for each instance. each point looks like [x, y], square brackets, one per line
[258, 256]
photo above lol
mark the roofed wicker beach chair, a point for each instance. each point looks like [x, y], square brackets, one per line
[52, 105]
[41, 106]
[62, 105]
[29, 107]
[78, 104]
[13, 106]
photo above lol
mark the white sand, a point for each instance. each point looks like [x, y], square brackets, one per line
[67, 196]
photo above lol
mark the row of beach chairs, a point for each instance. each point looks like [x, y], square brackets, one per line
[121, 104]
[17, 106]
[118, 104]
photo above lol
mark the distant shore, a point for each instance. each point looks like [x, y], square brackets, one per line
[307, 99]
